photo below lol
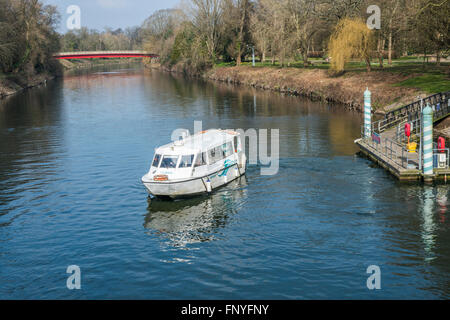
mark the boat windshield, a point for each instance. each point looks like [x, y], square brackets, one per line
[186, 161]
[169, 162]
[156, 160]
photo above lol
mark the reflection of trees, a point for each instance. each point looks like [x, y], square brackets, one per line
[30, 138]
[343, 129]
[308, 127]
[90, 79]
[194, 220]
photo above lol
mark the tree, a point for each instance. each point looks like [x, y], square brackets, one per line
[350, 39]
[432, 21]
[28, 36]
[303, 16]
[260, 28]
[335, 10]
[9, 36]
[236, 20]
[207, 19]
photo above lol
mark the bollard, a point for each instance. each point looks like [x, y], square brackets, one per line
[427, 115]
[367, 114]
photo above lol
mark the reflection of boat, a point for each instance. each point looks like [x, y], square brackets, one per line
[194, 220]
[196, 164]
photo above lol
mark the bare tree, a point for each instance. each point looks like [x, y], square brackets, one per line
[304, 18]
[207, 19]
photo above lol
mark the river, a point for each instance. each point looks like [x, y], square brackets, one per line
[72, 155]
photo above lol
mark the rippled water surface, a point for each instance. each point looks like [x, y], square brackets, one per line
[72, 155]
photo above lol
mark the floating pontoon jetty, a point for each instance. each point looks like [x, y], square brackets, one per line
[417, 158]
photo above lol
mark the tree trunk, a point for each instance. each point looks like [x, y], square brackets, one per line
[305, 52]
[238, 56]
[306, 61]
[368, 66]
[438, 58]
[424, 57]
[390, 49]
[380, 50]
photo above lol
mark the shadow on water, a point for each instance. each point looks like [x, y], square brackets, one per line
[194, 220]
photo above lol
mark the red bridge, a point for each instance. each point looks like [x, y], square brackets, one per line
[104, 54]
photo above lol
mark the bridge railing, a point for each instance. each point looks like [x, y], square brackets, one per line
[102, 52]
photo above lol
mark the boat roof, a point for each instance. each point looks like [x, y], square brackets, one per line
[199, 142]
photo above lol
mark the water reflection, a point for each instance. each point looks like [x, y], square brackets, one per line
[183, 222]
[306, 127]
[428, 225]
[442, 200]
[31, 144]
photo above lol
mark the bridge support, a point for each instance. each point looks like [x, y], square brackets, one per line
[367, 114]
[427, 116]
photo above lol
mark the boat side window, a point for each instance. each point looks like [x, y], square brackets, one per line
[201, 160]
[220, 154]
[186, 161]
[227, 149]
[156, 160]
[169, 162]
[212, 156]
[236, 144]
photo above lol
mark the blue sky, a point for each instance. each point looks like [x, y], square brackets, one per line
[98, 14]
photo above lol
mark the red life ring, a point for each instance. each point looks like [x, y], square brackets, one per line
[408, 130]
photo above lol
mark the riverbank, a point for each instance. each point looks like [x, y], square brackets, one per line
[319, 85]
[89, 63]
[12, 84]
[389, 89]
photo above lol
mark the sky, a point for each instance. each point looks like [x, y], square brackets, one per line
[98, 14]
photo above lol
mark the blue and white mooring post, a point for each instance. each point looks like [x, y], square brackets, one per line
[367, 114]
[427, 116]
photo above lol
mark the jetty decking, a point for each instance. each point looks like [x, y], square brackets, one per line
[387, 145]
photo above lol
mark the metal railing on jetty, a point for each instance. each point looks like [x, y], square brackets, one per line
[393, 150]
[440, 103]
[388, 137]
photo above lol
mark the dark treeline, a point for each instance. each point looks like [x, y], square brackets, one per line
[27, 37]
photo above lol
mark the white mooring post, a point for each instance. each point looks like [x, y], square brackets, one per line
[367, 114]
[427, 116]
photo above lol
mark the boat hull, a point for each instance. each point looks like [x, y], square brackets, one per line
[195, 185]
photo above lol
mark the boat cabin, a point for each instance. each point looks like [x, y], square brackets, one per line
[196, 154]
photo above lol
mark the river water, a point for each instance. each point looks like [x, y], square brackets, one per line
[72, 155]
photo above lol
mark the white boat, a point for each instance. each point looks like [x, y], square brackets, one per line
[196, 164]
